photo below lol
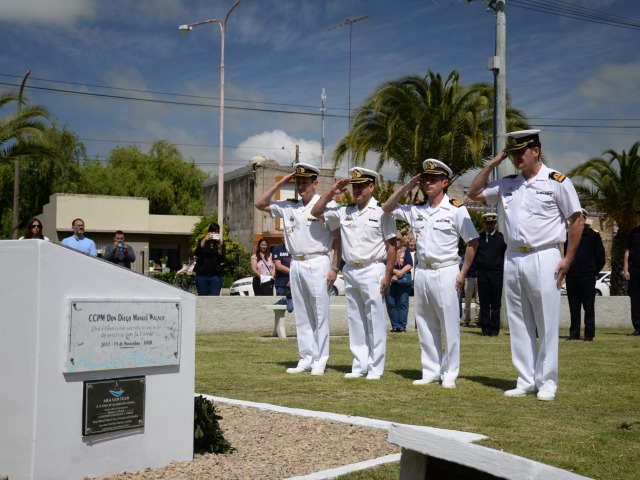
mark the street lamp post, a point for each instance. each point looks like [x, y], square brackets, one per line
[16, 170]
[223, 25]
[350, 22]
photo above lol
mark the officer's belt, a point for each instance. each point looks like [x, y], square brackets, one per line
[362, 264]
[533, 249]
[437, 265]
[310, 256]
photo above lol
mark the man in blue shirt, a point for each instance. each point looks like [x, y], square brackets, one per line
[282, 260]
[78, 241]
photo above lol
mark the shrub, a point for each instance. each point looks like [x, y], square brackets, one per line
[208, 436]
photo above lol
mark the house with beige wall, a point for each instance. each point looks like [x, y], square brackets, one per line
[152, 236]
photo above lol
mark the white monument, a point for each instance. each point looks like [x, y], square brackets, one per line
[98, 366]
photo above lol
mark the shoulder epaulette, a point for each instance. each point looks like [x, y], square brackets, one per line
[557, 176]
[595, 230]
[511, 176]
[456, 203]
[292, 199]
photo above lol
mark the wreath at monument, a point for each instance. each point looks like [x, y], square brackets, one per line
[208, 436]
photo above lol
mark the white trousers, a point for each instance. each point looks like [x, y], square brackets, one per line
[437, 312]
[533, 302]
[366, 313]
[308, 280]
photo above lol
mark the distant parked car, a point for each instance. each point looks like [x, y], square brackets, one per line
[603, 285]
[244, 287]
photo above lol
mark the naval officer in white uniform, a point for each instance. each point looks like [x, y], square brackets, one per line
[438, 224]
[537, 203]
[368, 240]
[309, 240]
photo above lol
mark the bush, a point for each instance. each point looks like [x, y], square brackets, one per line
[208, 436]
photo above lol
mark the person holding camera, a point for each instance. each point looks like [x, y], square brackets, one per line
[210, 253]
[120, 252]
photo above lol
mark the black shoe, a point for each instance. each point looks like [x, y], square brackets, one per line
[573, 338]
[635, 334]
[586, 339]
[402, 330]
[394, 330]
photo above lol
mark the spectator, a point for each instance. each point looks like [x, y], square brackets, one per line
[78, 241]
[632, 274]
[120, 252]
[282, 261]
[33, 230]
[210, 253]
[399, 289]
[263, 270]
[581, 281]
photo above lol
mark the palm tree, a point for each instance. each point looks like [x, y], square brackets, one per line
[613, 186]
[413, 118]
[20, 135]
[26, 126]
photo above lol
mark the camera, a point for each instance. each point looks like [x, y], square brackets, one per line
[121, 245]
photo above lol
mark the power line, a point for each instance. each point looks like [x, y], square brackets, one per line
[570, 10]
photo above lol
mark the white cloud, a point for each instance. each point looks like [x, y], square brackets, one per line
[50, 12]
[269, 145]
[616, 86]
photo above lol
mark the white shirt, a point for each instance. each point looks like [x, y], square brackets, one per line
[364, 232]
[437, 229]
[535, 212]
[304, 234]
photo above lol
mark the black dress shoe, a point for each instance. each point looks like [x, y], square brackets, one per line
[588, 339]
[573, 338]
[635, 334]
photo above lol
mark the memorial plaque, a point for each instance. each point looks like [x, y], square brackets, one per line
[114, 404]
[114, 334]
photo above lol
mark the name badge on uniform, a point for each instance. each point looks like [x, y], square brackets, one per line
[291, 219]
[348, 217]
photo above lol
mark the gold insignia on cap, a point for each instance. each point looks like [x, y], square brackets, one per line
[356, 174]
[430, 166]
[300, 170]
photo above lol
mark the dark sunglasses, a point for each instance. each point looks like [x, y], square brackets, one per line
[36, 226]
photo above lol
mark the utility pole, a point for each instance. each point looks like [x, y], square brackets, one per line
[297, 153]
[323, 97]
[16, 170]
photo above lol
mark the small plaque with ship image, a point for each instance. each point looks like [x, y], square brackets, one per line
[113, 404]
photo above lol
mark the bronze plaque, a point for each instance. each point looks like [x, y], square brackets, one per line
[113, 404]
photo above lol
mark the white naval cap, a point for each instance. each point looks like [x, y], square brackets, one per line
[490, 217]
[363, 175]
[306, 170]
[522, 138]
[433, 166]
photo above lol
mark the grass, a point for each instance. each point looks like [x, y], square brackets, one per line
[592, 428]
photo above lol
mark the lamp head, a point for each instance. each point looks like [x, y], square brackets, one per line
[185, 28]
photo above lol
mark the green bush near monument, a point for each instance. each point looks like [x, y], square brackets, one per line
[207, 434]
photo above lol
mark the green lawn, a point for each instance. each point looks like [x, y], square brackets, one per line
[592, 428]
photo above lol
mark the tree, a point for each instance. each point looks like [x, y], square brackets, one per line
[613, 186]
[172, 185]
[20, 136]
[414, 118]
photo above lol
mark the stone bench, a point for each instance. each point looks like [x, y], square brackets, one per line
[432, 456]
[278, 318]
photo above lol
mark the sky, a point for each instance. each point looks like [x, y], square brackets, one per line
[120, 73]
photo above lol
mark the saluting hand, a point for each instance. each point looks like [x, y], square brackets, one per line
[340, 186]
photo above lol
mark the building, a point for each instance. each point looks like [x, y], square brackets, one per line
[152, 236]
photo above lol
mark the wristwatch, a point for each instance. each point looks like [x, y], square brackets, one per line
[335, 269]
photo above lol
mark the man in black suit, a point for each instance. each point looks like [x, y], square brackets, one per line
[581, 282]
[490, 263]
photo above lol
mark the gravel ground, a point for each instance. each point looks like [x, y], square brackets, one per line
[274, 445]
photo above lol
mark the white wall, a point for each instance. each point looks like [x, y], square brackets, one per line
[41, 407]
